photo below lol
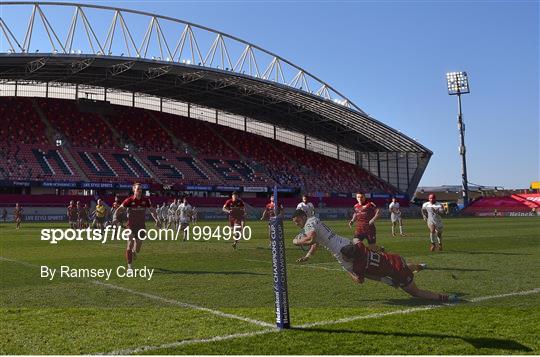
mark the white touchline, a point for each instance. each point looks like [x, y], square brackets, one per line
[163, 299]
[314, 324]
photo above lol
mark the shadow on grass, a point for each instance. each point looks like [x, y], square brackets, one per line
[203, 272]
[486, 253]
[476, 342]
[413, 302]
[455, 269]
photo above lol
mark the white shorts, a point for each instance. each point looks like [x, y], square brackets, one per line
[395, 217]
[437, 225]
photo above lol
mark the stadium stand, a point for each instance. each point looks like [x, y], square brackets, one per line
[163, 148]
[81, 129]
[515, 203]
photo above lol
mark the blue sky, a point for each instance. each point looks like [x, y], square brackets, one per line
[390, 58]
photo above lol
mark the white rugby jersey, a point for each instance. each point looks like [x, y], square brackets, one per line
[172, 209]
[328, 239]
[433, 212]
[184, 212]
[394, 208]
[307, 207]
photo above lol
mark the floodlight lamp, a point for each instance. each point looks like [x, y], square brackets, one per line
[457, 82]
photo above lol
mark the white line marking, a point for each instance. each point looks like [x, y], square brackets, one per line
[311, 265]
[189, 342]
[414, 309]
[262, 323]
[314, 324]
[183, 304]
[163, 299]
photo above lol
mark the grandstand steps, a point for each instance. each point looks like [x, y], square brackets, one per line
[182, 146]
[242, 157]
[218, 134]
[146, 168]
[73, 162]
[50, 131]
[115, 133]
[177, 142]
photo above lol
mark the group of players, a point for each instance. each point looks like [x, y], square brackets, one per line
[359, 261]
[372, 262]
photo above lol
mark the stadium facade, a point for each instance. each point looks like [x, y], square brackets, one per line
[94, 54]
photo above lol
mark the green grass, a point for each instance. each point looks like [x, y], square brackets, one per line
[482, 257]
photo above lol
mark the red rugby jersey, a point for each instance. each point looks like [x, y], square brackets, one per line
[136, 211]
[364, 213]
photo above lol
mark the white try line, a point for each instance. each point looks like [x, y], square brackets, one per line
[311, 265]
[415, 309]
[189, 342]
[162, 299]
[183, 304]
[313, 324]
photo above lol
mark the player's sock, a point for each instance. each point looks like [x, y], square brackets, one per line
[401, 230]
[129, 256]
[443, 297]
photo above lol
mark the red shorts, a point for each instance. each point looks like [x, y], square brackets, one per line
[135, 233]
[235, 221]
[366, 233]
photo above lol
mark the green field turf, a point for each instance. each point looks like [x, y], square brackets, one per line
[483, 257]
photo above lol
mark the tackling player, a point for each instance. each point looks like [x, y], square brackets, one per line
[365, 215]
[306, 206]
[136, 206]
[315, 233]
[72, 215]
[431, 211]
[388, 268]
[18, 214]
[268, 213]
[185, 215]
[395, 217]
[358, 261]
[236, 210]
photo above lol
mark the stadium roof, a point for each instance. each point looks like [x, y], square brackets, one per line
[280, 95]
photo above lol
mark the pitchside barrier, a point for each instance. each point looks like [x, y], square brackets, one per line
[279, 267]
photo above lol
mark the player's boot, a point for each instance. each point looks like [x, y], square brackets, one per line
[421, 266]
[453, 298]
[432, 247]
[440, 247]
[235, 244]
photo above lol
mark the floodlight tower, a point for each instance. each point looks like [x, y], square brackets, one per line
[458, 84]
